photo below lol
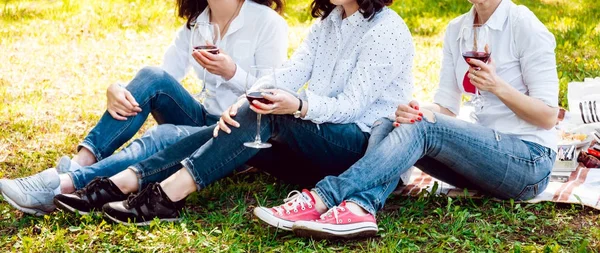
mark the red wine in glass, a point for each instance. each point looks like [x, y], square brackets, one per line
[257, 95]
[482, 56]
[211, 49]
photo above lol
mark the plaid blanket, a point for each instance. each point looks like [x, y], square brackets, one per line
[583, 187]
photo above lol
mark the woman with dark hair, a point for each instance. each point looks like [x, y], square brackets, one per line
[507, 153]
[252, 33]
[357, 60]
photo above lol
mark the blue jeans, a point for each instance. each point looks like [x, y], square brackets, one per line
[302, 153]
[463, 154]
[155, 139]
[158, 93]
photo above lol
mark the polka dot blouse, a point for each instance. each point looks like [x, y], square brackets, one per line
[358, 70]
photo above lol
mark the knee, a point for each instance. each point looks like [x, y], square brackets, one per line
[151, 78]
[161, 132]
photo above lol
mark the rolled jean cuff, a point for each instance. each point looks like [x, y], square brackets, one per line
[139, 174]
[367, 208]
[187, 164]
[76, 180]
[328, 202]
[89, 146]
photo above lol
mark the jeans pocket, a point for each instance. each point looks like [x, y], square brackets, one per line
[532, 190]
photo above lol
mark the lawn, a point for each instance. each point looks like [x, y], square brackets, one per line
[57, 58]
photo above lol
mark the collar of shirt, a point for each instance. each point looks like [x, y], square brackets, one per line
[496, 21]
[336, 17]
[236, 24]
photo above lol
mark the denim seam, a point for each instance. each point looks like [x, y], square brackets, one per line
[476, 143]
[323, 137]
[190, 169]
[160, 92]
[160, 169]
[326, 201]
[75, 180]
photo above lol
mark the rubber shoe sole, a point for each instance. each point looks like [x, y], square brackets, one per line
[36, 212]
[347, 232]
[139, 224]
[267, 217]
[62, 206]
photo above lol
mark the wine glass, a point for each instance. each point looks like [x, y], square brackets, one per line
[206, 37]
[475, 44]
[258, 79]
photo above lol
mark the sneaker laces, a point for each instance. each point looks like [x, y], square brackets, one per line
[31, 183]
[91, 187]
[292, 202]
[334, 211]
[144, 197]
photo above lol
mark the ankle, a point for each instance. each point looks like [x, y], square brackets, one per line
[126, 181]
[66, 184]
[356, 209]
[319, 204]
[84, 157]
[179, 185]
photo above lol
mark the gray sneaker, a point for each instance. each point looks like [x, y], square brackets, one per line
[65, 164]
[33, 194]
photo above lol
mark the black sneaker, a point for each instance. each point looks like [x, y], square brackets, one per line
[142, 208]
[91, 197]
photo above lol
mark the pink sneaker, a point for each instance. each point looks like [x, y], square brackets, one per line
[338, 223]
[299, 206]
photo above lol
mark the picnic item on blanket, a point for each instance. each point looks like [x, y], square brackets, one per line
[582, 187]
[588, 160]
[584, 102]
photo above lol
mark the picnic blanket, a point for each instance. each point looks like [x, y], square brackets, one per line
[583, 187]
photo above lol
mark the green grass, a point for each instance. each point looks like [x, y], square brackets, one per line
[57, 58]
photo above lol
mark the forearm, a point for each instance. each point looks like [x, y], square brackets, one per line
[527, 108]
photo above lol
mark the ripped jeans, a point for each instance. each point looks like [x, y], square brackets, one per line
[460, 153]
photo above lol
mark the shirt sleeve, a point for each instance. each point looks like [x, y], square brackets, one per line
[297, 70]
[271, 51]
[176, 60]
[448, 94]
[535, 49]
[386, 52]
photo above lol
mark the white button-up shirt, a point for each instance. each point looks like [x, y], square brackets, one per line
[523, 50]
[358, 69]
[257, 36]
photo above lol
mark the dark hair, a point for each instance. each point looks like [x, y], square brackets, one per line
[368, 8]
[191, 9]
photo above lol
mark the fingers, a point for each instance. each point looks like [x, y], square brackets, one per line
[115, 115]
[203, 61]
[210, 56]
[262, 108]
[407, 109]
[414, 104]
[482, 65]
[216, 131]
[272, 95]
[131, 99]
[223, 126]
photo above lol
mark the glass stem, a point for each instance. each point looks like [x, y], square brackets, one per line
[258, 119]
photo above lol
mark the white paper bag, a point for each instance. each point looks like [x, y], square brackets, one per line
[584, 102]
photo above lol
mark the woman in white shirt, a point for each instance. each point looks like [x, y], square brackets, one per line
[508, 153]
[253, 34]
[357, 61]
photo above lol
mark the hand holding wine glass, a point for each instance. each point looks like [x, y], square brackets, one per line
[266, 77]
[204, 37]
[475, 47]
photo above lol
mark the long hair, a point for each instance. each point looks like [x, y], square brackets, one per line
[191, 9]
[368, 8]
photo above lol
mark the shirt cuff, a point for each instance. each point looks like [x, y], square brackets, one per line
[238, 79]
[315, 108]
[448, 101]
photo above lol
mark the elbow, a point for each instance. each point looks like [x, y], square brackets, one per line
[551, 119]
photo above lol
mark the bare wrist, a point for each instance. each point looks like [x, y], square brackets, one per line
[231, 73]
